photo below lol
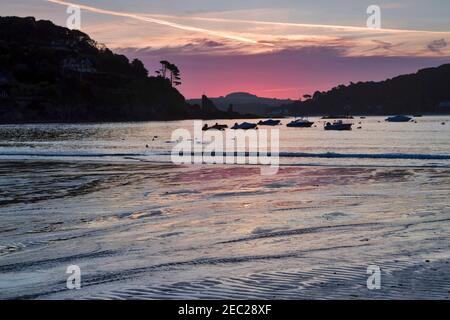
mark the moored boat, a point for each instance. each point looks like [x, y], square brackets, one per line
[338, 125]
[399, 118]
[244, 126]
[269, 122]
[300, 123]
[215, 127]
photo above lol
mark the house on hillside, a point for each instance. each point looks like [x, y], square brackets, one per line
[78, 65]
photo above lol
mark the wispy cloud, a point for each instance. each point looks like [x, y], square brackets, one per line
[258, 36]
[302, 25]
[157, 21]
[393, 5]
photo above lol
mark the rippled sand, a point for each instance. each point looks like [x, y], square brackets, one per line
[149, 231]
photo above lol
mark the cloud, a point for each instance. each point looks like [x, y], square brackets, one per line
[437, 45]
[382, 45]
[157, 21]
[189, 47]
[393, 5]
[253, 36]
[298, 25]
[212, 44]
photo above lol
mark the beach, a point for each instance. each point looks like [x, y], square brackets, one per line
[141, 227]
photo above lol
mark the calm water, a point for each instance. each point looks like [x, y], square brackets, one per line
[377, 142]
[140, 227]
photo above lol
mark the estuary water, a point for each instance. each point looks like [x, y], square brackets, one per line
[107, 198]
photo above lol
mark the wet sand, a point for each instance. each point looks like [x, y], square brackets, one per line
[140, 230]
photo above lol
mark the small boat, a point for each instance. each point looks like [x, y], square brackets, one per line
[269, 122]
[300, 123]
[215, 127]
[398, 118]
[244, 126]
[338, 125]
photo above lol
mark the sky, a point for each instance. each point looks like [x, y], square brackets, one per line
[282, 48]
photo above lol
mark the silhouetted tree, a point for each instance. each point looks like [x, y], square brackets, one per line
[175, 78]
[164, 67]
[138, 68]
[170, 71]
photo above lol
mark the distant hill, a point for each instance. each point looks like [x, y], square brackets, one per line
[245, 103]
[427, 91]
[52, 74]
